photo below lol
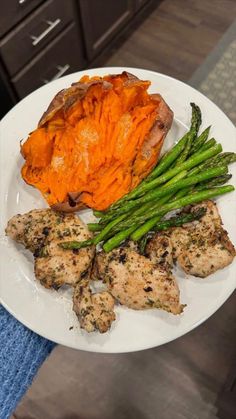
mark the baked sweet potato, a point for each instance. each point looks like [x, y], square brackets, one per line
[97, 140]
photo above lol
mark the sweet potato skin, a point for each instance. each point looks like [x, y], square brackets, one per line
[138, 155]
[67, 97]
[153, 144]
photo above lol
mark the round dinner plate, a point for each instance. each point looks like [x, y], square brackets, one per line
[48, 312]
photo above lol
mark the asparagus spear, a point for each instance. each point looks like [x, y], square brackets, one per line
[168, 158]
[195, 124]
[200, 141]
[191, 199]
[154, 218]
[188, 164]
[208, 144]
[97, 239]
[179, 220]
[73, 244]
[167, 189]
[94, 227]
[143, 207]
[222, 159]
[183, 192]
[176, 151]
[98, 213]
[129, 220]
[220, 180]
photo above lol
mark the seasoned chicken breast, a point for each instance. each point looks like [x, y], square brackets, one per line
[55, 266]
[94, 311]
[31, 229]
[202, 247]
[138, 283]
[41, 231]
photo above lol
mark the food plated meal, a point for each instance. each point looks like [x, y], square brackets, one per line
[135, 192]
[123, 259]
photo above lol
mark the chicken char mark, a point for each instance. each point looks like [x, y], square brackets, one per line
[159, 250]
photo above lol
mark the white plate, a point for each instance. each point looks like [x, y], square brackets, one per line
[49, 312]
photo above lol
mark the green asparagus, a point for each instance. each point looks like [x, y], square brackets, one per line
[188, 164]
[167, 189]
[153, 218]
[191, 199]
[200, 141]
[141, 208]
[220, 159]
[208, 144]
[220, 180]
[179, 220]
[195, 124]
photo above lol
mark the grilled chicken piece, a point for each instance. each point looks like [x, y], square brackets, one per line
[202, 247]
[55, 266]
[138, 283]
[40, 231]
[159, 250]
[31, 229]
[94, 311]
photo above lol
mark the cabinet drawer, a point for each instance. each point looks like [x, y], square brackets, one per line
[62, 56]
[101, 20]
[29, 37]
[12, 11]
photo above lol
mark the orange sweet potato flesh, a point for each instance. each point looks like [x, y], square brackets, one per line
[97, 140]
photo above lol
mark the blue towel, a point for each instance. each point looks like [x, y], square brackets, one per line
[21, 354]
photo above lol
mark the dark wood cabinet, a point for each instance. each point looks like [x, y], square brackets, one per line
[13, 11]
[25, 41]
[42, 40]
[62, 56]
[101, 20]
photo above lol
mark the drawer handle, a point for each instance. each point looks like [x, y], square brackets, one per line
[61, 71]
[52, 25]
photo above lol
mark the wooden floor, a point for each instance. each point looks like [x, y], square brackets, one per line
[184, 379]
[176, 37]
[181, 380]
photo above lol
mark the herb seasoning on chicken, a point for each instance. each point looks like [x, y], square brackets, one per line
[40, 231]
[94, 311]
[202, 247]
[137, 281]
